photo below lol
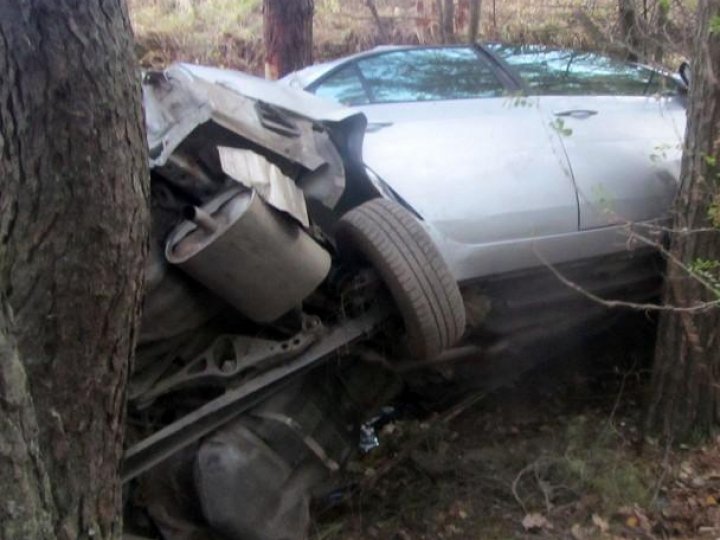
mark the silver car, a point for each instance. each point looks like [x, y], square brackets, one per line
[514, 155]
[306, 256]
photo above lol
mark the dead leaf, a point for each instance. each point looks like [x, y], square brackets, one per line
[710, 501]
[600, 523]
[535, 522]
[578, 533]
[632, 521]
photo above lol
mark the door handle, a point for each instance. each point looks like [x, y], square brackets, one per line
[577, 113]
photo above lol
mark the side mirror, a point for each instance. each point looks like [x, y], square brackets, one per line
[685, 73]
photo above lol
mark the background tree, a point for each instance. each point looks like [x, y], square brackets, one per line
[73, 227]
[448, 20]
[686, 377]
[474, 23]
[629, 30]
[287, 35]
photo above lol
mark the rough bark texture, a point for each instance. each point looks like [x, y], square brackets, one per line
[73, 216]
[474, 22]
[27, 506]
[288, 35]
[686, 378]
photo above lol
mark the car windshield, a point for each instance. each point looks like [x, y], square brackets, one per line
[548, 71]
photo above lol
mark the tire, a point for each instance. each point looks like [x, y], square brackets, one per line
[397, 246]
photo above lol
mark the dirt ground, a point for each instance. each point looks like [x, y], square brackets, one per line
[559, 455]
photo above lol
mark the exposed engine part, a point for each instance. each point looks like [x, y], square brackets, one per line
[150, 451]
[230, 359]
[247, 253]
[253, 478]
[173, 303]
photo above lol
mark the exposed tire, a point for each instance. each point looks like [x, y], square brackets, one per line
[401, 251]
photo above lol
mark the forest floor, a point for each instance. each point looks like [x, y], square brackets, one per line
[560, 455]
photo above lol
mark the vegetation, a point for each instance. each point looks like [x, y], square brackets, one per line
[229, 33]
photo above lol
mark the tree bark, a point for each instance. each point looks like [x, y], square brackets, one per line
[474, 23]
[73, 228]
[288, 35]
[686, 376]
[629, 29]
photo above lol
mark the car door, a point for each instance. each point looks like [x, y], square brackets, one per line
[446, 133]
[621, 126]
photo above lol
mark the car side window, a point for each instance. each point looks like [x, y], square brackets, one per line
[428, 75]
[563, 72]
[343, 86]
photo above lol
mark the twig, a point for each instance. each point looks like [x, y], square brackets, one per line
[612, 304]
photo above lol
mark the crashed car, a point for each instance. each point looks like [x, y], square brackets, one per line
[308, 257]
[279, 273]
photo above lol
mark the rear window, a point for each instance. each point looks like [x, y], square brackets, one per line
[564, 72]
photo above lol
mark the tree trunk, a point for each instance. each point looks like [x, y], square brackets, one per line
[449, 20]
[288, 35]
[629, 29]
[73, 227]
[474, 23]
[686, 376]
[441, 19]
[663, 11]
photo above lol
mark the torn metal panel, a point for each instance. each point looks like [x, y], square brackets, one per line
[255, 172]
[286, 122]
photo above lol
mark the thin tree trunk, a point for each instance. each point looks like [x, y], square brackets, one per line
[686, 376]
[288, 35]
[474, 23]
[72, 246]
[378, 21]
[449, 20]
[441, 19]
[663, 10]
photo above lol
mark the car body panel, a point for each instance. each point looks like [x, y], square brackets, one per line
[505, 183]
[624, 154]
[479, 170]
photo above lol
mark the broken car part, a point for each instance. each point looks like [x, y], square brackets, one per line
[249, 255]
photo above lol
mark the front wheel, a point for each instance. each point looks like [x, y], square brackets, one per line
[397, 246]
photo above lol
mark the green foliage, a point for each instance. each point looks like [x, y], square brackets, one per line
[561, 128]
[708, 270]
[596, 463]
[715, 25]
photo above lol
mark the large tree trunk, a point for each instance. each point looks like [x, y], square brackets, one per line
[686, 377]
[73, 227]
[288, 35]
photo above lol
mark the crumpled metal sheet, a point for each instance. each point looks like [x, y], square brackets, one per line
[255, 172]
[287, 122]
